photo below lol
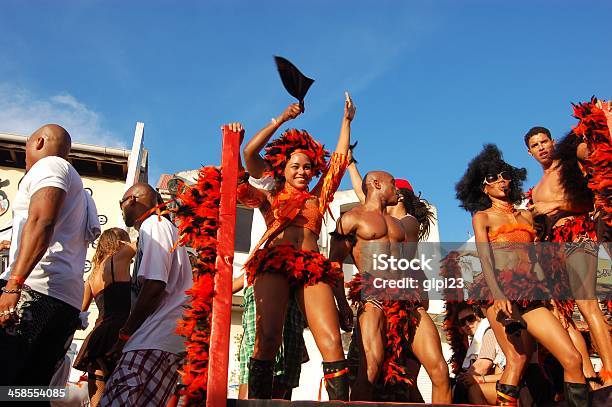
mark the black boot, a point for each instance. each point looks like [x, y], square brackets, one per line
[261, 373]
[507, 394]
[335, 375]
[576, 394]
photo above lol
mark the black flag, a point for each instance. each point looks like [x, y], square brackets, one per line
[296, 83]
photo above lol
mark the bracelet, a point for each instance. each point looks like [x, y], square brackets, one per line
[9, 291]
[124, 337]
[484, 380]
[18, 280]
[274, 121]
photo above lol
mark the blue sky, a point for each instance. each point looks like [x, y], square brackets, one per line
[432, 80]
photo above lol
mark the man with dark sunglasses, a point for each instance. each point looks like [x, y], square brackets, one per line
[481, 359]
[149, 351]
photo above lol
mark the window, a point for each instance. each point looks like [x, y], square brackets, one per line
[244, 223]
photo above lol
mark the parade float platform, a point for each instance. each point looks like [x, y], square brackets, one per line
[599, 398]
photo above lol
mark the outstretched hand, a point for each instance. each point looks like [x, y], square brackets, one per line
[349, 107]
[291, 112]
[236, 128]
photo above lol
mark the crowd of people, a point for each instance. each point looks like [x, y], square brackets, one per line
[515, 323]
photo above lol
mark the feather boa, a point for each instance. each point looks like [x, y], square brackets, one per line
[197, 216]
[402, 319]
[453, 297]
[593, 128]
[554, 261]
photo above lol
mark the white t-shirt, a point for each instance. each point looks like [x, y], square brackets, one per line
[157, 261]
[474, 349]
[59, 273]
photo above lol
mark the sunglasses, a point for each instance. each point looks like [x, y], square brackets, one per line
[469, 319]
[492, 178]
[127, 198]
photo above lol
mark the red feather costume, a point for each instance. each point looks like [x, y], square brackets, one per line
[453, 298]
[402, 318]
[292, 207]
[518, 283]
[594, 129]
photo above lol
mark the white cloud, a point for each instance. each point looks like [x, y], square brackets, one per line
[22, 112]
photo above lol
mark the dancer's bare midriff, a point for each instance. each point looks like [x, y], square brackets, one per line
[299, 237]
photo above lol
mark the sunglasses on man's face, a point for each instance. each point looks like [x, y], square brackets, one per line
[127, 198]
[469, 319]
[492, 178]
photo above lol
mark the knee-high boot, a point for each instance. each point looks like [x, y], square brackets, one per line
[261, 373]
[335, 375]
[507, 394]
[576, 394]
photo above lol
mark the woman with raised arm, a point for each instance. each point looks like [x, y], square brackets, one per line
[509, 288]
[109, 286]
[288, 257]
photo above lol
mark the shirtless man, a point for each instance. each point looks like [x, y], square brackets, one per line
[568, 220]
[357, 231]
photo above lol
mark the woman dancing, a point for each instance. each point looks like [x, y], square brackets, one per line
[509, 288]
[109, 286]
[289, 259]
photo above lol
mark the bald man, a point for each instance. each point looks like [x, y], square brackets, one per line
[367, 231]
[42, 289]
[148, 349]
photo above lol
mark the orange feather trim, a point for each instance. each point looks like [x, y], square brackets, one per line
[593, 128]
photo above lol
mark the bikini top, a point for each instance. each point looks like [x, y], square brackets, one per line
[512, 233]
[293, 207]
[290, 199]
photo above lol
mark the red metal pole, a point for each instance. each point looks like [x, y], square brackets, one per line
[222, 302]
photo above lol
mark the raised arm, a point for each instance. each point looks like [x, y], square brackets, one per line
[255, 164]
[356, 179]
[479, 223]
[344, 141]
[330, 181]
[248, 195]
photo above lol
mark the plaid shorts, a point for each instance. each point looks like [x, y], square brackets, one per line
[289, 356]
[142, 378]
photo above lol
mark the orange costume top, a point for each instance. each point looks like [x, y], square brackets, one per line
[295, 207]
[516, 238]
[512, 233]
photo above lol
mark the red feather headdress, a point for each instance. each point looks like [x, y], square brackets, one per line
[279, 151]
